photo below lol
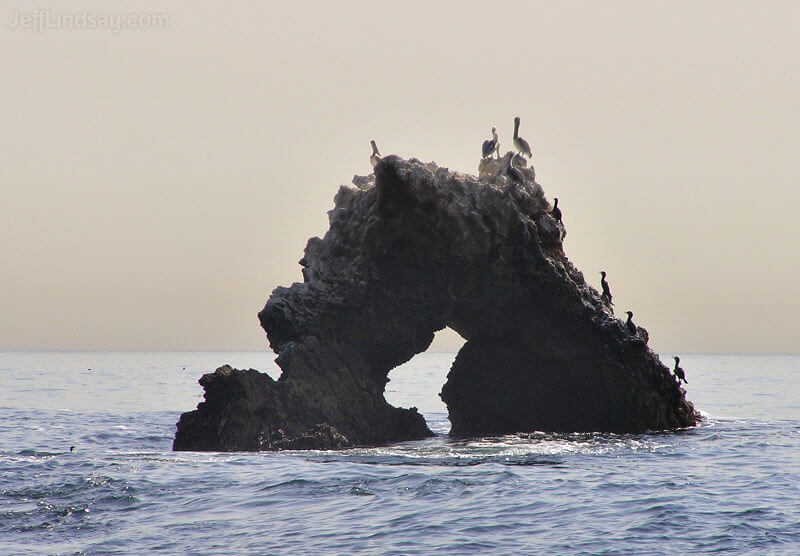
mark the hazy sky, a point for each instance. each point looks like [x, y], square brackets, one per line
[157, 184]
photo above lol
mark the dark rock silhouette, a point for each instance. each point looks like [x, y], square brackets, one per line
[421, 249]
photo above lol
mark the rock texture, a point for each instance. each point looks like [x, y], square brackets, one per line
[418, 249]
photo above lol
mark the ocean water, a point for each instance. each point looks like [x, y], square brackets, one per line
[729, 485]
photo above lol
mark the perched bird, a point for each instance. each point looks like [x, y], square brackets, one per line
[556, 212]
[513, 173]
[606, 295]
[507, 168]
[491, 145]
[629, 324]
[375, 157]
[679, 374]
[520, 143]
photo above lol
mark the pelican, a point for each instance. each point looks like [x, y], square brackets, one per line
[375, 157]
[521, 144]
[491, 145]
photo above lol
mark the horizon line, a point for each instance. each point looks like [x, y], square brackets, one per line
[270, 352]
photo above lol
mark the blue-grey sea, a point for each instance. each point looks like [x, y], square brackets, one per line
[729, 485]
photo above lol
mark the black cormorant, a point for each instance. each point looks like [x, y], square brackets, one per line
[679, 374]
[491, 145]
[629, 324]
[521, 144]
[507, 168]
[513, 172]
[556, 212]
[606, 295]
[375, 157]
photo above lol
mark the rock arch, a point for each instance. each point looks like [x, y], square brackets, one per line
[419, 381]
[420, 249]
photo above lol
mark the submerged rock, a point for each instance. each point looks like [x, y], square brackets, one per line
[421, 249]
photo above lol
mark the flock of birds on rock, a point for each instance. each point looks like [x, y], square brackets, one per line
[492, 147]
[631, 327]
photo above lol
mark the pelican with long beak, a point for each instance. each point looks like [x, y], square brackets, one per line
[375, 157]
[521, 144]
[491, 146]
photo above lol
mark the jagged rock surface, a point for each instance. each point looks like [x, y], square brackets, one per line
[419, 249]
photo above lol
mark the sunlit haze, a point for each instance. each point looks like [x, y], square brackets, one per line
[157, 183]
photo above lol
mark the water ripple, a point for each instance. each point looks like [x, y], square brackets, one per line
[729, 485]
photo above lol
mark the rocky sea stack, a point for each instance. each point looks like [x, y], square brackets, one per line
[416, 249]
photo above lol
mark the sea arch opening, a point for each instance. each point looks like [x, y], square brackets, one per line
[418, 381]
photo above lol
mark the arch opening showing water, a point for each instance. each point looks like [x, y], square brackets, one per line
[417, 383]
